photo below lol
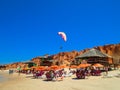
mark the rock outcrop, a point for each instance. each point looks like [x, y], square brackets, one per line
[68, 57]
[112, 50]
[65, 57]
[15, 65]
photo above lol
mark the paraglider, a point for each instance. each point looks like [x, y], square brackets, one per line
[63, 35]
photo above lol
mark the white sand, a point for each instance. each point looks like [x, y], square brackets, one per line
[90, 83]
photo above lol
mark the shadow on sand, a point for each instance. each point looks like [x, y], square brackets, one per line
[79, 78]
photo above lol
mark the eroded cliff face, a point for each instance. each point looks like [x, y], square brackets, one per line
[68, 57]
[65, 57]
[15, 65]
[37, 61]
[112, 50]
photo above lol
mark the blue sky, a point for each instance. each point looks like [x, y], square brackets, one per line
[28, 28]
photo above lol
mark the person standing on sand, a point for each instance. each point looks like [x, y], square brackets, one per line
[106, 70]
[18, 70]
[10, 71]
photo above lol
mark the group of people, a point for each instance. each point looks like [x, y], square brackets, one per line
[56, 75]
[80, 73]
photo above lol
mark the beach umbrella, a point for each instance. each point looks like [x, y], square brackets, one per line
[98, 65]
[73, 66]
[54, 67]
[84, 65]
[39, 68]
[47, 68]
[62, 66]
[18, 68]
[33, 67]
[26, 68]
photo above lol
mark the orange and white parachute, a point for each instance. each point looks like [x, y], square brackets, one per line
[63, 35]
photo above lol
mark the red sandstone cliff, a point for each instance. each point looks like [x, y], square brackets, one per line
[69, 57]
[14, 65]
[112, 50]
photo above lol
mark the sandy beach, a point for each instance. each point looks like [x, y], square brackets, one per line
[26, 82]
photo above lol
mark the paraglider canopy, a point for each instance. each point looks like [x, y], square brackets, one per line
[63, 35]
